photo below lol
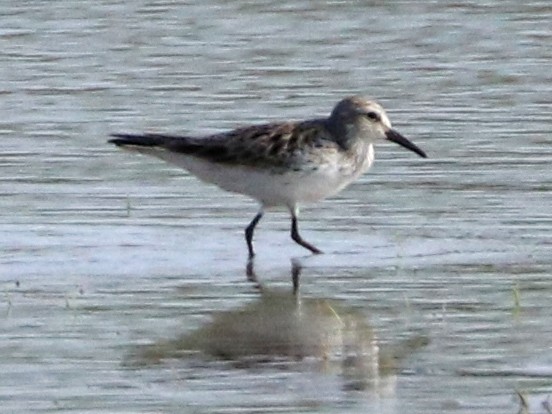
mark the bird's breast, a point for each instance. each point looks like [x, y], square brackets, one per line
[324, 177]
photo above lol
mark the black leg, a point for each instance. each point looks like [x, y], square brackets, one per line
[249, 230]
[297, 237]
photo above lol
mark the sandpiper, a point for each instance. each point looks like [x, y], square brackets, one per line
[281, 164]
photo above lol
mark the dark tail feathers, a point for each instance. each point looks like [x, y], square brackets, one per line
[141, 140]
[181, 144]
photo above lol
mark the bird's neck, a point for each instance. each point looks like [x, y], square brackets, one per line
[362, 154]
[342, 135]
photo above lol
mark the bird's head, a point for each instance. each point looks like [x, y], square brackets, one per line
[355, 118]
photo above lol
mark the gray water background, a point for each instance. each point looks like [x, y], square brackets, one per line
[102, 250]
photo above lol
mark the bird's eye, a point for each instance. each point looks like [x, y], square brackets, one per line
[373, 116]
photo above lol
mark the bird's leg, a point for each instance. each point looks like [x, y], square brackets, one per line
[295, 233]
[249, 230]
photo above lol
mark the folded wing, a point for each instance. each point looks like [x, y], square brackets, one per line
[267, 145]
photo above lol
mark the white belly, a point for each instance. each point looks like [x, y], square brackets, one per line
[271, 189]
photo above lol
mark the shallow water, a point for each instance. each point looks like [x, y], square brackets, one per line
[104, 252]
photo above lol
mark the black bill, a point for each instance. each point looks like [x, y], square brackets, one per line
[394, 136]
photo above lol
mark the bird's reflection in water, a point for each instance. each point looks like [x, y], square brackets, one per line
[296, 269]
[285, 330]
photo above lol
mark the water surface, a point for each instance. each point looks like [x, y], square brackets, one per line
[104, 252]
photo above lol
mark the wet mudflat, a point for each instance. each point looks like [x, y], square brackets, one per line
[125, 282]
